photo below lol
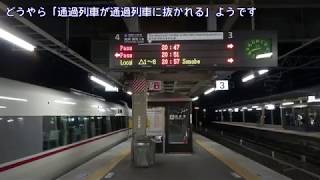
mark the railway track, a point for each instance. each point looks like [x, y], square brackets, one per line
[287, 162]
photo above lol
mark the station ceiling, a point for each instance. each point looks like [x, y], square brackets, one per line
[295, 21]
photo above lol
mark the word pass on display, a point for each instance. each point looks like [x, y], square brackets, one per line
[192, 50]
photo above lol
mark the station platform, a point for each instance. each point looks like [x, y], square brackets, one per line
[273, 128]
[209, 160]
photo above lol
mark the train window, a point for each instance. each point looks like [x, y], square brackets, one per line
[49, 132]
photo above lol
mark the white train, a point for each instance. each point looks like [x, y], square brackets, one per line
[44, 132]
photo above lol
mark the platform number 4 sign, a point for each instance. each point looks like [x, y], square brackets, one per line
[222, 85]
[117, 37]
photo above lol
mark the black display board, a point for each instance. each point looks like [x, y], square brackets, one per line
[193, 50]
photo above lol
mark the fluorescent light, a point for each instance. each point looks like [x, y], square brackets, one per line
[10, 120]
[249, 109]
[224, 110]
[254, 107]
[195, 98]
[248, 78]
[3, 107]
[312, 99]
[230, 110]
[259, 109]
[263, 71]
[64, 102]
[15, 40]
[108, 87]
[209, 91]
[270, 106]
[244, 107]
[13, 99]
[196, 108]
[236, 109]
[111, 89]
[300, 106]
[129, 92]
[287, 103]
[265, 55]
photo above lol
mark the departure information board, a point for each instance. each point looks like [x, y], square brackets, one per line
[193, 50]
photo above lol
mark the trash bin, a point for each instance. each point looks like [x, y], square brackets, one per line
[144, 152]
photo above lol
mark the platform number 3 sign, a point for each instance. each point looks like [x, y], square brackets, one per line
[222, 85]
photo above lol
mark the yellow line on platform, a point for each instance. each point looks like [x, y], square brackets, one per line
[97, 175]
[245, 173]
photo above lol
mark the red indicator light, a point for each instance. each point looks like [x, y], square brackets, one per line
[122, 55]
[164, 47]
[230, 60]
[164, 61]
[126, 48]
[230, 46]
[170, 54]
[176, 47]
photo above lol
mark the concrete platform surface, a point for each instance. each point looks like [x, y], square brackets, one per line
[97, 167]
[197, 166]
[209, 161]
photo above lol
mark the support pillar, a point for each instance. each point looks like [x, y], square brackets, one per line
[212, 19]
[262, 117]
[139, 113]
[196, 118]
[281, 118]
[272, 119]
[243, 116]
[139, 108]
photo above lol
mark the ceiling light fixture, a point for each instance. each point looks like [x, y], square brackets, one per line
[265, 55]
[108, 87]
[248, 78]
[13, 99]
[16, 40]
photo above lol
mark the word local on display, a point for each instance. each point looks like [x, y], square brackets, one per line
[125, 12]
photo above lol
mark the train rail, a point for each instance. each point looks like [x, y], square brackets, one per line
[289, 163]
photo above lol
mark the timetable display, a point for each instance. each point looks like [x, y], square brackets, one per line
[191, 50]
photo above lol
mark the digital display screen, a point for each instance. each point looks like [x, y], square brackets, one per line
[187, 50]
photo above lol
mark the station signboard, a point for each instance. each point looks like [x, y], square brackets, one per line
[222, 85]
[252, 49]
[155, 86]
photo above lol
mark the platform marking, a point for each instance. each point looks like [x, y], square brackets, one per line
[230, 163]
[100, 173]
[235, 175]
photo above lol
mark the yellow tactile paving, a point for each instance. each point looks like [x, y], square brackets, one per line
[98, 174]
[245, 173]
